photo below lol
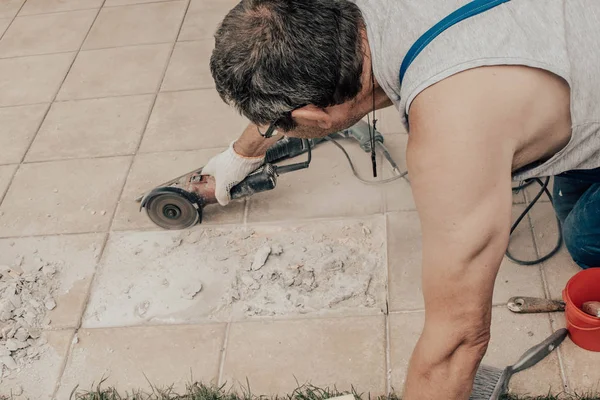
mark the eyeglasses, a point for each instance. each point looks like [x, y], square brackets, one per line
[273, 126]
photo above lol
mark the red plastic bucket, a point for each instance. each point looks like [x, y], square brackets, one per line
[583, 328]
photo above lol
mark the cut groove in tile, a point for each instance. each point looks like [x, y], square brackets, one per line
[114, 72]
[10, 8]
[47, 33]
[344, 353]
[191, 120]
[150, 170]
[63, 197]
[327, 189]
[131, 357]
[330, 268]
[74, 257]
[404, 244]
[138, 24]
[189, 67]
[203, 17]
[50, 6]
[113, 125]
[30, 80]
[18, 126]
[6, 174]
[38, 380]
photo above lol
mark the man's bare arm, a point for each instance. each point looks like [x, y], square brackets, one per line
[460, 162]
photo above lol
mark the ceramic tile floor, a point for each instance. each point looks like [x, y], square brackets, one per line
[103, 99]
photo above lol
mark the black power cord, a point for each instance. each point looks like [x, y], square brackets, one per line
[544, 189]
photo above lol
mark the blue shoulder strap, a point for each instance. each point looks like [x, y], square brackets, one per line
[473, 8]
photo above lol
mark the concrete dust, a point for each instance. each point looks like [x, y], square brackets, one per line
[26, 295]
[220, 273]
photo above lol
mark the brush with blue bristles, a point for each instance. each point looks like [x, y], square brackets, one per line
[491, 383]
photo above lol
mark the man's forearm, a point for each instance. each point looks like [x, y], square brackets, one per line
[252, 144]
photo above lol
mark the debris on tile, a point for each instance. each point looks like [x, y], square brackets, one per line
[103, 212]
[190, 291]
[277, 250]
[142, 308]
[75, 339]
[25, 297]
[260, 258]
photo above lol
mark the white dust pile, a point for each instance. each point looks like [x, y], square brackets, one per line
[25, 297]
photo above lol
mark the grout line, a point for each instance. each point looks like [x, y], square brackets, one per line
[68, 355]
[63, 365]
[223, 355]
[10, 181]
[37, 14]
[38, 54]
[560, 356]
[388, 357]
[33, 162]
[140, 3]
[120, 46]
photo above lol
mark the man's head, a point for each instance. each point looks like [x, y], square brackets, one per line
[273, 56]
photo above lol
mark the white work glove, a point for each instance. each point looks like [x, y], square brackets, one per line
[229, 168]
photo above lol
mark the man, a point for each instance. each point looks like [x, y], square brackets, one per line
[513, 92]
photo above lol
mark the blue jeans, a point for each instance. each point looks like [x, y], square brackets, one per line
[577, 204]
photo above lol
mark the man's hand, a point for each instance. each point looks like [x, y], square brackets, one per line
[460, 156]
[230, 168]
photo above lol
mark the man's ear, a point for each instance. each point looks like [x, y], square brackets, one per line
[313, 116]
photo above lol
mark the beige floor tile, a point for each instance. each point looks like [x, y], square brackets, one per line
[560, 268]
[10, 8]
[73, 256]
[45, 34]
[191, 120]
[150, 170]
[404, 257]
[18, 126]
[580, 365]
[63, 197]
[512, 335]
[189, 67]
[341, 352]
[29, 80]
[398, 194]
[114, 72]
[405, 330]
[203, 17]
[131, 357]
[38, 380]
[6, 174]
[326, 189]
[326, 268]
[51, 6]
[114, 126]
[4, 22]
[532, 191]
[137, 24]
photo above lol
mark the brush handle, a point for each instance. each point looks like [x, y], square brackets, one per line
[541, 351]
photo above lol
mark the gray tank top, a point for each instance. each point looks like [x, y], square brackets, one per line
[560, 36]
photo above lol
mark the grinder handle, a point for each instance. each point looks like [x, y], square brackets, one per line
[260, 181]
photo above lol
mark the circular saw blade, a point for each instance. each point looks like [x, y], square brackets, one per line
[172, 211]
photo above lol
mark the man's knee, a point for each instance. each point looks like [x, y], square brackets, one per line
[583, 245]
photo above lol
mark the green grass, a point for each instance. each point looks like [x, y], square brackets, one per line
[199, 391]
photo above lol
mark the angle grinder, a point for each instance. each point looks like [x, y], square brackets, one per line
[178, 204]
